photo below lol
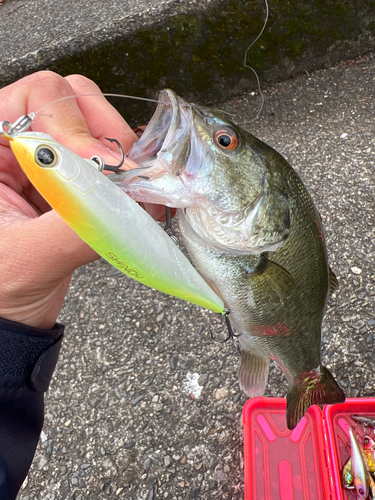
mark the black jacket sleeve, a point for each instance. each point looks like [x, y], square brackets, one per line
[28, 357]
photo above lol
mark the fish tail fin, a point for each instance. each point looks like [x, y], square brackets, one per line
[253, 373]
[316, 387]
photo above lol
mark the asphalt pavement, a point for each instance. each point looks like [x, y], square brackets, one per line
[143, 404]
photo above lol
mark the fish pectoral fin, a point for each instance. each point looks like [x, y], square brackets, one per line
[316, 387]
[271, 282]
[253, 373]
[333, 283]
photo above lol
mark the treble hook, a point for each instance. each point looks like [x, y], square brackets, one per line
[168, 225]
[231, 334]
[112, 168]
[20, 125]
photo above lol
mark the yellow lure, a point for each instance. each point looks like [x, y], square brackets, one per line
[108, 220]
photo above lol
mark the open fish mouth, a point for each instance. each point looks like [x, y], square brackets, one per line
[162, 154]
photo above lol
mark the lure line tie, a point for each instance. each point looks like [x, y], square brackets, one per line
[20, 125]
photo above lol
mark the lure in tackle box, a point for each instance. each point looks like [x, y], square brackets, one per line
[107, 219]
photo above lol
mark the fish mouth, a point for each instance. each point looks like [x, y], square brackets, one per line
[162, 154]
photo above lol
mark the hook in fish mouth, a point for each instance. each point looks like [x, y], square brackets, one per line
[164, 146]
[163, 154]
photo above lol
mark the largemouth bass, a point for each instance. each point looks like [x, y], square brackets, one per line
[254, 234]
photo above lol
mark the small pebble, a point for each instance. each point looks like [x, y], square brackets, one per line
[237, 397]
[356, 270]
[220, 475]
[358, 324]
[129, 446]
[221, 393]
[194, 492]
[137, 400]
[147, 463]
[173, 361]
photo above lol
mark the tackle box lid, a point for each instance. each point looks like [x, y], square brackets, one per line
[303, 464]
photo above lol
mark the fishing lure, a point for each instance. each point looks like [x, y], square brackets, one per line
[364, 420]
[107, 219]
[358, 468]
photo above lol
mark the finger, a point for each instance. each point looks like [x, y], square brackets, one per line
[62, 249]
[45, 250]
[158, 212]
[103, 120]
[41, 93]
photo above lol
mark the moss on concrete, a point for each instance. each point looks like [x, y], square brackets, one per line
[201, 56]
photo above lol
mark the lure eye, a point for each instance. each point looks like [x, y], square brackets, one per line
[45, 157]
[226, 139]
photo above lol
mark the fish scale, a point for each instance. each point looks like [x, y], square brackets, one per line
[253, 232]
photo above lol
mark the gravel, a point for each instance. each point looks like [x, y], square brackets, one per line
[119, 423]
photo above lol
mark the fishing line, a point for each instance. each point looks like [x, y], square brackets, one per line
[34, 114]
[232, 115]
[24, 121]
[252, 69]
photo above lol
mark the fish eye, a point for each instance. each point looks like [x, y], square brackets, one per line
[45, 156]
[226, 139]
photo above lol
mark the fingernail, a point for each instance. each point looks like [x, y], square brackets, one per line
[116, 155]
[105, 148]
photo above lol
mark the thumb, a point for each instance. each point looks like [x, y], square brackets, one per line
[54, 249]
[39, 255]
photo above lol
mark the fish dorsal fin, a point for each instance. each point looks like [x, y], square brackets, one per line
[332, 282]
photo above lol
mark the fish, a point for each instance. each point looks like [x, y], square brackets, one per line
[359, 469]
[251, 229]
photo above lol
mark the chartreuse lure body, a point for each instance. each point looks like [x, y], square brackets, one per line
[108, 220]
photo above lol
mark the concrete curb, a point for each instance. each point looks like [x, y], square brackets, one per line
[195, 47]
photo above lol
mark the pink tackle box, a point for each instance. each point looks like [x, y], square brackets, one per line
[303, 464]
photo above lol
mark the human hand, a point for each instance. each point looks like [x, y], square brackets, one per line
[38, 250]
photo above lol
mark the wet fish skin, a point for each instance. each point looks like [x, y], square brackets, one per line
[253, 232]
